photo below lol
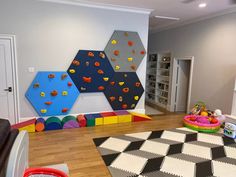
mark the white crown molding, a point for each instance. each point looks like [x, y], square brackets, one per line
[195, 20]
[102, 6]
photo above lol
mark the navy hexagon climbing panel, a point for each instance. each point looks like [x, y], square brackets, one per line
[91, 71]
[52, 93]
[124, 90]
[125, 51]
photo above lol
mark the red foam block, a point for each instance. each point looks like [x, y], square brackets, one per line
[24, 124]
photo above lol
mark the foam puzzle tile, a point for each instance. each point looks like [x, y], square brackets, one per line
[90, 71]
[52, 93]
[125, 51]
[124, 91]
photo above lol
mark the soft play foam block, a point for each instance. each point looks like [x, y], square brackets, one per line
[99, 121]
[27, 125]
[123, 116]
[137, 117]
[53, 123]
[82, 120]
[109, 118]
[91, 119]
[69, 122]
[40, 125]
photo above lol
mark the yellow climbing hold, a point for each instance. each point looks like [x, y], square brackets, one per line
[121, 83]
[130, 59]
[72, 71]
[114, 42]
[136, 98]
[64, 93]
[43, 111]
[106, 79]
[117, 67]
[42, 94]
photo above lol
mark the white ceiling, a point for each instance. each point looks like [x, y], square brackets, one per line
[172, 8]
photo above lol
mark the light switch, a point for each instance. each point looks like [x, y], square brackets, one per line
[31, 69]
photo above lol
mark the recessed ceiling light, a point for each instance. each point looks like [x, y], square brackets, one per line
[202, 5]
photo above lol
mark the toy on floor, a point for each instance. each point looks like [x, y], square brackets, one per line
[44, 172]
[230, 130]
[27, 125]
[40, 125]
[202, 123]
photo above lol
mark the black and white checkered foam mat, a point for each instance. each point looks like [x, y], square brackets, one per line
[169, 153]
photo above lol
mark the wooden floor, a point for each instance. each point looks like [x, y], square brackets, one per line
[75, 146]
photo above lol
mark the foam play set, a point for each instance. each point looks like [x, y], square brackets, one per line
[203, 120]
[82, 120]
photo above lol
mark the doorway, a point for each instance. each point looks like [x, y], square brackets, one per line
[8, 79]
[181, 84]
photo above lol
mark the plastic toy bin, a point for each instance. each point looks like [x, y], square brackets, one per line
[44, 172]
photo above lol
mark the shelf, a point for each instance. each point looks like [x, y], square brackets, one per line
[163, 76]
[163, 69]
[162, 97]
[151, 87]
[162, 90]
[151, 81]
[151, 74]
[164, 62]
[163, 83]
[150, 93]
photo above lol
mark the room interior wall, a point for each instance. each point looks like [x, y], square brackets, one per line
[49, 36]
[212, 43]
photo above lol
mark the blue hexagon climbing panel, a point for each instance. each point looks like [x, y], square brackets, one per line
[52, 93]
[90, 71]
[125, 51]
[124, 91]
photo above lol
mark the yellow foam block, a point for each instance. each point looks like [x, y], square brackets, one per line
[110, 120]
[140, 115]
[99, 121]
[29, 128]
[124, 118]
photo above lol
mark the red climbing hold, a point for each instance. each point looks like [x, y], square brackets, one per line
[112, 83]
[51, 76]
[142, 52]
[130, 43]
[64, 110]
[54, 93]
[112, 98]
[76, 63]
[137, 84]
[116, 52]
[87, 79]
[124, 106]
[100, 88]
[90, 54]
[48, 103]
[69, 84]
[97, 64]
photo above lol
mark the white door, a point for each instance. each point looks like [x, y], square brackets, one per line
[7, 109]
[182, 85]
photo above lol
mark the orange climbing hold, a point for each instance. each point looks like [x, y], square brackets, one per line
[130, 43]
[63, 76]
[97, 64]
[69, 84]
[54, 93]
[137, 84]
[64, 110]
[125, 90]
[142, 52]
[51, 76]
[87, 79]
[76, 63]
[90, 54]
[100, 71]
[48, 103]
[112, 83]
[112, 98]
[124, 106]
[116, 52]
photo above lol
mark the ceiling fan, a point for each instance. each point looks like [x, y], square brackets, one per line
[232, 2]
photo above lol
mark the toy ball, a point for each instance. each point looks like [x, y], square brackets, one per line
[204, 113]
[218, 112]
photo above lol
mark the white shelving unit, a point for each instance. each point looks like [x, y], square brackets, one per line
[158, 79]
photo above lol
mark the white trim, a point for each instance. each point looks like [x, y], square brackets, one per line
[102, 6]
[191, 21]
[12, 39]
[173, 87]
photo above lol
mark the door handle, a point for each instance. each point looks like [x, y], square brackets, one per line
[9, 89]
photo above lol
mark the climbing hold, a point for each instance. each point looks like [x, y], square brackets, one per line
[100, 88]
[125, 90]
[117, 67]
[54, 93]
[87, 63]
[130, 59]
[69, 84]
[48, 103]
[64, 93]
[42, 94]
[133, 67]
[90, 54]
[120, 98]
[133, 52]
[142, 52]
[100, 71]
[113, 59]
[97, 64]
[64, 110]
[121, 83]
[72, 71]
[63, 76]
[125, 75]
[102, 55]
[36, 85]
[82, 88]
[112, 98]
[137, 84]
[43, 111]
[113, 42]
[116, 52]
[124, 106]
[136, 98]
[76, 63]
[87, 79]
[112, 83]
[130, 43]
[126, 34]
[51, 76]
[133, 106]
[106, 79]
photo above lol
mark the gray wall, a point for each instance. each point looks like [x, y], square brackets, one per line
[213, 44]
[49, 36]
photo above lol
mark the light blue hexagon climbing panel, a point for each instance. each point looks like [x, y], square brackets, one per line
[52, 93]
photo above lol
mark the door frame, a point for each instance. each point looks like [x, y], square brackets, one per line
[12, 39]
[173, 87]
